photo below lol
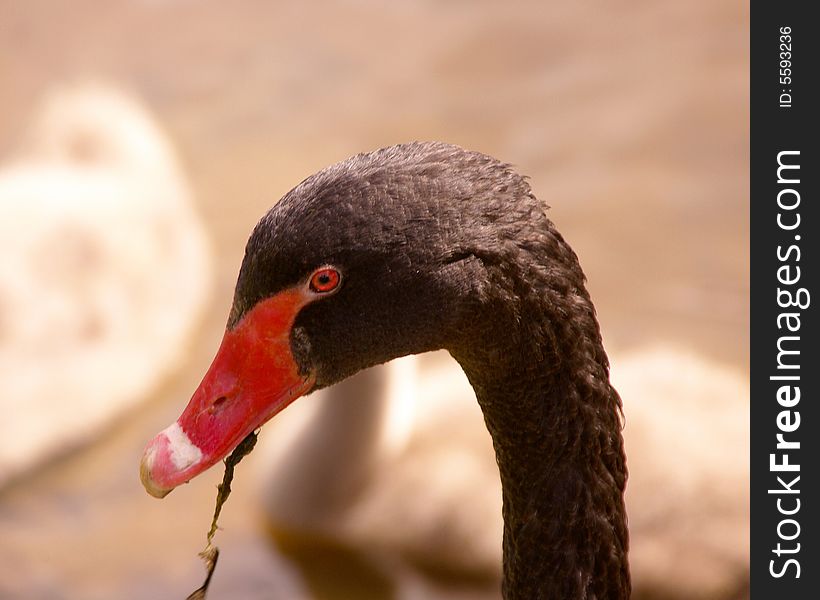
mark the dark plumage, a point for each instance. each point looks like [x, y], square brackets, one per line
[415, 248]
[443, 248]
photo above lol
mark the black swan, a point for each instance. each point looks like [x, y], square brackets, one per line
[414, 248]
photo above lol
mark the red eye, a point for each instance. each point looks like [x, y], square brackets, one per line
[325, 280]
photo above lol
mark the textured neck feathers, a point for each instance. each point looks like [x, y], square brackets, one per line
[443, 248]
[540, 374]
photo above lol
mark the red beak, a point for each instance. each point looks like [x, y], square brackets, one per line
[252, 377]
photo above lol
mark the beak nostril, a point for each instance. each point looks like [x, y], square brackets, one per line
[217, 404]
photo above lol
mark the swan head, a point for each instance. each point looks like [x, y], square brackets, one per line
[372, 259]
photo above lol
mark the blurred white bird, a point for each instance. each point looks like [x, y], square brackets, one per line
[385, 486]
[105, 270]
[687, 445]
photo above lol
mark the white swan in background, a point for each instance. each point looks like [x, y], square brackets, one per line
[105, 270]
[395, 466]
[687, 438]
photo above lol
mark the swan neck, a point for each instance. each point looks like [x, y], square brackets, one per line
[555, 423]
